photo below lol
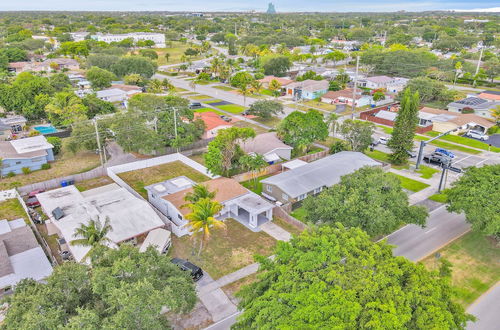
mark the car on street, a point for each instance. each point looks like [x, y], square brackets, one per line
[438, 158]
[383, 140]
[195, 271]
[477, 135]
[32, 202]
[445, 152]
[411, 153]
[195, 105]
[226, 118]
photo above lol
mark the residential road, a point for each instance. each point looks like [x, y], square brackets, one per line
[487, 311]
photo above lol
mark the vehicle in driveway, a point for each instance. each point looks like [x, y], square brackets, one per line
[195, 271]
[477, 135]
[34, 192]
[383, 140]
[438, 158]
[195, 105]
[445, 152]
[32, 202]
[225, 118]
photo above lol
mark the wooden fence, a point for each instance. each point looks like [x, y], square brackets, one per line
[280, 212]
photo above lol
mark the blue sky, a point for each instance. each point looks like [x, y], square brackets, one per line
[239, 5]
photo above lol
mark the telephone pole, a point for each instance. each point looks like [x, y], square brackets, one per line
[478, 65]
[354, 88]
[175, 127]
[98, 140]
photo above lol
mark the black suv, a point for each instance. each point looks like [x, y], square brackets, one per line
[196, 272]
[195, 105]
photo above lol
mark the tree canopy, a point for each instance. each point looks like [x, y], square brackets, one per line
[369, 199]
[337, 278]
[265, 108]
[357, 133]
[300, 129]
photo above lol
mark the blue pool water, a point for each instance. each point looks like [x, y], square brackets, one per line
[46, 129]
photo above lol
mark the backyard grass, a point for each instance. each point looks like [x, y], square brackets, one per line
[465, 141]
[51, 241]
[198, 158]
[440, 198]
[144, 177]
[176, 52]
[233, 288]
[410, 184]
[271, 122]
[320, 105]
[64, 165]
[257, 129]
[93, 183]
[299, 214]
[225, 88]
[294, 230]
[11, 209]
[426, 172]
[232, 108]
[476, 265]
[250, 184]
[226, 251]
[329, 141]
[209, 110]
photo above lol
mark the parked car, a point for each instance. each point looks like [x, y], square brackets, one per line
[32, 202]
[383, 140]
[226, 118]
[34, 192]
[438, 158]
[445, 152]
[411, 153]
[196, 272]
[195, 105]
[477, 135]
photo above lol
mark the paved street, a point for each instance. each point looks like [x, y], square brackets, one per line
[415, 243]
[487, 310]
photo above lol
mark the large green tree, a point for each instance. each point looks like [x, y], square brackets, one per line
[65, 108]
[337, 278]
[265, 108]
[132, 133]
[369, 199]
[100, 78]
[277, 66]
[300, 129]
[124, 289]
[357, 133]
[134, 64]
[401, 141]
[476, 194]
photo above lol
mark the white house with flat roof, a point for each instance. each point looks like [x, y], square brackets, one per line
[21, 256]
[131, 218]
[157, 38]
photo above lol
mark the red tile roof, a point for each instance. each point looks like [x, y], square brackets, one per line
[211, 119]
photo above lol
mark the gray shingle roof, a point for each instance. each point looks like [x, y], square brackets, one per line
[323, 172]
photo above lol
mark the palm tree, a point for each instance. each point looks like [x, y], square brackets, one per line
[92, 234]
[155, 86]
[256, 86]
[199, 192]
[201, 219]
[332, 122]
[167, 56]
[275, 87]
[245, 91]
[192, 84]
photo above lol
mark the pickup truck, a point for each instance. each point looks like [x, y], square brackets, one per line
[438, 158]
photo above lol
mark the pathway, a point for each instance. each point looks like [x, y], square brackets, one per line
[485, 308]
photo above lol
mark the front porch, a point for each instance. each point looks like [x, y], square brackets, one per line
[250, 210]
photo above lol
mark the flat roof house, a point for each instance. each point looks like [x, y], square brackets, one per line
[310, 179]
[269, 146]
[377, 82]
[344, 96]
[112, 95]
[307, 89]
[30, 152]
[131, 218]
[21, 256]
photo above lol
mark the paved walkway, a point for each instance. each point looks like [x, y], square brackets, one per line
[276, 231]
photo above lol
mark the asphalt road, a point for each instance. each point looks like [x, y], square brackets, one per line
[487, 310]
[415, 243]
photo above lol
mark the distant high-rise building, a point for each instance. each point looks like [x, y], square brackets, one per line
[271, 9]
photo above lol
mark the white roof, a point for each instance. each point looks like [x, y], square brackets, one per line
[272, 157]
[8, 226]
[28, 264]
[389, 115]
[128, 215]
[35, 143]
[157, 238]
[111, 92]
[294, 164]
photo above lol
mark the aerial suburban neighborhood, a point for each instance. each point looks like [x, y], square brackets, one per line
[260, 165]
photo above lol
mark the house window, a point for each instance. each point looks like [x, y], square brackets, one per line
[318, 190]
[285, 196]
[301, 197]
[17, 163]
[179, 216]
[269, 188]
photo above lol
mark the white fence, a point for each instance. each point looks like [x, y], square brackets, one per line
[113, 172]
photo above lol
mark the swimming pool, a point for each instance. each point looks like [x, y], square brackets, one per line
[47, 129]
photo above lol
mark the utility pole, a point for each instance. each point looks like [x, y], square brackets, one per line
[98, 140]
[175, 126]
[478, 65]
[354, 88]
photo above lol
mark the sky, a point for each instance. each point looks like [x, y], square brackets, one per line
[240, 5]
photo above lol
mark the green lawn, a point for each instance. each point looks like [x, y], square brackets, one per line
[256, 188]
[225, 88]
[144, 177]
[440, 198]
[93, 183]
[257, 129]
[213, 101]
[294, 230]
[200, 97]
[271, 122]
[176, 52]
[378, 155]
[299, 214]
[476, 265]
[426, 171]
[329, 141]
[199, 158]
[465, 141]
[209, 110]
[410, 184]
[320, 105]
[232, 108]
[386, 129]
[266, 92]
[226, 251]
[11, 209]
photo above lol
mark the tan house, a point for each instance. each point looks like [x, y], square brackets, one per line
[445, 121]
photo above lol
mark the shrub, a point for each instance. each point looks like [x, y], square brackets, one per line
[45, 166]
[11, 174]
[56, 142]
[493, 130]
[34, 133]
[26, 170]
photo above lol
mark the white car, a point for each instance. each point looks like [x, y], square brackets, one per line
[477, 135]
[383, 140]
